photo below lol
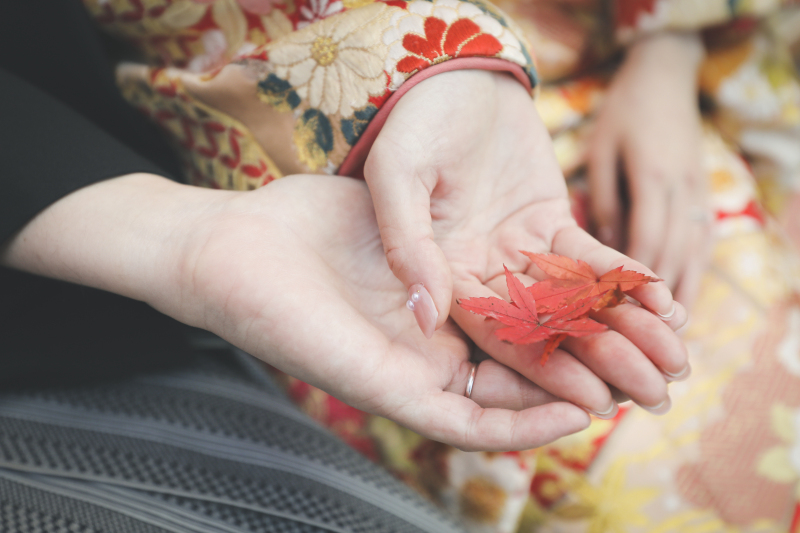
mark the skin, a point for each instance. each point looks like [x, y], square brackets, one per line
[297, 273]
[649, 129]
[294, 274]
[463, 176]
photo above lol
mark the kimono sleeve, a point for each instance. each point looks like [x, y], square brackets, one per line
[251, 91]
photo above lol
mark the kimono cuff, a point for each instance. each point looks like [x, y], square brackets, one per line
[314, 99]
[353, 164]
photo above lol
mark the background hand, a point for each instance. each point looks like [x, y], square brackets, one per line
[463, 176]
[649, 130]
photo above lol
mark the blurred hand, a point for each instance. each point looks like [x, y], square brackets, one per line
[649, 129]
[463, 175]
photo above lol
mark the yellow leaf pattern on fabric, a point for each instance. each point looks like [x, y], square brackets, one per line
[783, 423]
[184, 14]
[776, 465]
[230, 18]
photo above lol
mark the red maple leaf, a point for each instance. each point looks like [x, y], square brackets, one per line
[575, 280]
[525, 325]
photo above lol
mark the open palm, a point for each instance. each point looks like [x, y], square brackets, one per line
[463, 176]
[295, 274]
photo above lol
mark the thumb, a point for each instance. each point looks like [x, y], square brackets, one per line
[402, 200]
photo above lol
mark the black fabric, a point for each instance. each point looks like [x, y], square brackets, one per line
[210, 447]
[53, 332]
[49, 150]
[53, 45]
[64, 125]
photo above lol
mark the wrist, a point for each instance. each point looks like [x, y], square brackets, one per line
[681, 51]
[124, 235]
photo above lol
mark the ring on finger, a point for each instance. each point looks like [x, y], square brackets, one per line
[471, 381]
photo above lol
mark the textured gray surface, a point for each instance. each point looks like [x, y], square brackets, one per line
[214, 447]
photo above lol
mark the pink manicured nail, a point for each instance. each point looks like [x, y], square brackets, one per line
[608, 414]
[669, 314]
[421, 303]
[660, 409]
[683, 375]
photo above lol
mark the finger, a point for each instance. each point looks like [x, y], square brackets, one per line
[677, 318]
[497, 386]
[604, 192]
[674, 253]
[563, 375]
[575, 243]
[402, 207]
[699, 248]
[619, 396]
[654, 338]
[647, 225]
[352, 372]
[454, 419]
[639, 358]
[618, 362]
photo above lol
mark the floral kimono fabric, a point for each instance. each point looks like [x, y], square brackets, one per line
[252, 90]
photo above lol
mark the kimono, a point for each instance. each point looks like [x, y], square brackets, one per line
[252, 90]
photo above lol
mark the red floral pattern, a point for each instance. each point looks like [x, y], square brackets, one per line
[208, 139]
[347, 422]
[443, 42]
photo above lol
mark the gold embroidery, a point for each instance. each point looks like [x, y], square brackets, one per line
[324, 51]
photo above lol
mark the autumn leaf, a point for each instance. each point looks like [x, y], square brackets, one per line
[556, 308]
[575, 280]
[520, 312]
[569, 320]
[525, 325]
[550, 347]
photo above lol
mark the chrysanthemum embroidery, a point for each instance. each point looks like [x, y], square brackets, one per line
[318, 10]
[335, 64]
[258, 7]
[443, 42]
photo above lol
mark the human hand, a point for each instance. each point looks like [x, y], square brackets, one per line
[294, 274]
[463, 176]
[649, 127]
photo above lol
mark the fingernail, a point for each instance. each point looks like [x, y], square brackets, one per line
[668, 315]
[421, 303]
[683, 375]
[608, 414]
[660, 409]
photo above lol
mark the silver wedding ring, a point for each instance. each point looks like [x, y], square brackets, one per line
[471, 381]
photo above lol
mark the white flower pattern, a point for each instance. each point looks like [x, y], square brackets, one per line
[319, 10]
[336, 64]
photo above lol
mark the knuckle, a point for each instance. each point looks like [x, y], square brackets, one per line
[471, 430]
[396, 258]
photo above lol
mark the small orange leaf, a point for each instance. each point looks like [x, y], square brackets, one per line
[550, 347]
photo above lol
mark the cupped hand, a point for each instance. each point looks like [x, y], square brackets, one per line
[295, 274]
[649, 129]
[463, 176]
